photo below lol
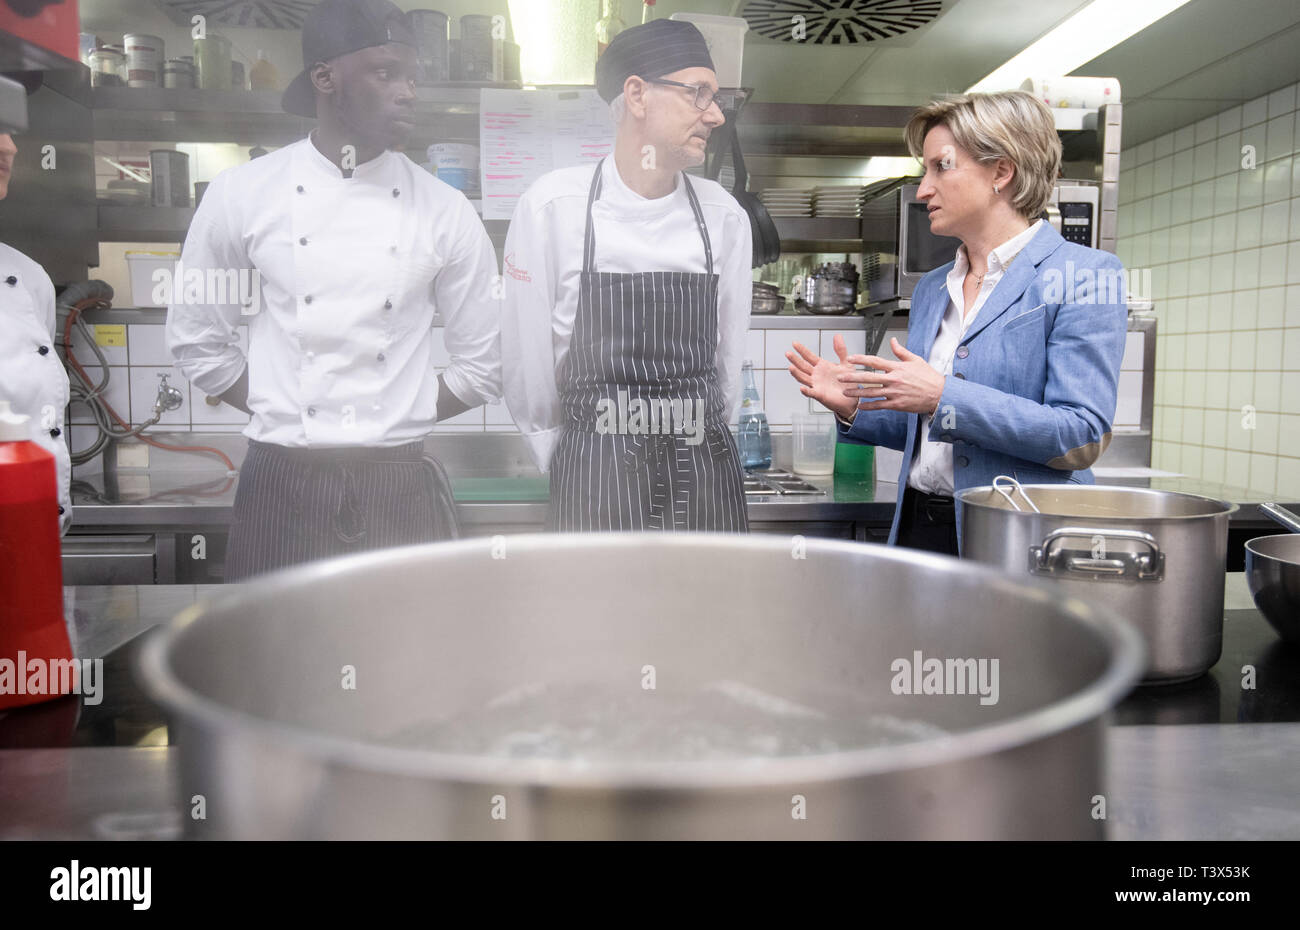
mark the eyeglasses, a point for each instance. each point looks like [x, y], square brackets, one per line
[704, 95]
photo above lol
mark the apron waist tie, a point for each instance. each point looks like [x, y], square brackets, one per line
[349, 523]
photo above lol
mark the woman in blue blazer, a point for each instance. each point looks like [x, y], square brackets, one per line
[1013, 349]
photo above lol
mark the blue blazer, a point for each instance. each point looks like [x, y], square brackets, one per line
[1035, 394]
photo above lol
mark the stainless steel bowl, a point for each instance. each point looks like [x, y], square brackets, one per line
[1273, 576]
[294, 699]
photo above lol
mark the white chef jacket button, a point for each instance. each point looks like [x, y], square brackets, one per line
[302, 241]
[396, 192]
[962, 352]
[60, 511]
[311, 411]
[310, 356]
[393, 249]
[388, 304]
[11, 280]
[380, 356]
[307, 299]
[44, 350]
[300, 190]
[55, 433]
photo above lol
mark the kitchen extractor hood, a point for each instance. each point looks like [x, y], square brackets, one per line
[851, 23]
[256, 14]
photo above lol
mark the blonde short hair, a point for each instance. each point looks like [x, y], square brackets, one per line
[1012, 124]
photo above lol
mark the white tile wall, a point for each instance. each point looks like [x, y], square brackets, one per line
[1225, 270]
[133, 383]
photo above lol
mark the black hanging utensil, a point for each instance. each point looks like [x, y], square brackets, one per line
[767, 241]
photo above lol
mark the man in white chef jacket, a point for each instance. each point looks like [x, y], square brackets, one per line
[342, 250]
[627, 298]
[32, 377]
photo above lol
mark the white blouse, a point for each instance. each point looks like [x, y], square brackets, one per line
[931, 471]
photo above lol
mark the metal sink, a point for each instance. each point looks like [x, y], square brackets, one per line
[775, 483]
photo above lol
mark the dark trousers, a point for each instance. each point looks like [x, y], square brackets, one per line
[299, 505]
[928, 522]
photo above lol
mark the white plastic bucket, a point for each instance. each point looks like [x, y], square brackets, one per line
[142, 265]
[725, 36]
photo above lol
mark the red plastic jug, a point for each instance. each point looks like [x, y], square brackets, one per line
[35, 652]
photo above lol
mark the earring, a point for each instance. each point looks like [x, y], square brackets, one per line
[995, 188]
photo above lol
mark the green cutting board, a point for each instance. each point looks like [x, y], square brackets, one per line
[502, 489]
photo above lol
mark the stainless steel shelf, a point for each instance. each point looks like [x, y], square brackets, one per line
[823, 130]
[842, 322]
[119, 222]
[819, 233]
[157, 114]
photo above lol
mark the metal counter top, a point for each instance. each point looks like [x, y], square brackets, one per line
[163, 499]
[179, 490]
[1225, 771]
[1164, 783]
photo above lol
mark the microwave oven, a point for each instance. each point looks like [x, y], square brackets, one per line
[898, 247]
[1075, 211]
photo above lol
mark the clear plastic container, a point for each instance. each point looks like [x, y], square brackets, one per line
[814, 443]
[212, 62]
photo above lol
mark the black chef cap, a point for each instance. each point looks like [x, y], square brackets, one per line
[650, 50]
[339, 27]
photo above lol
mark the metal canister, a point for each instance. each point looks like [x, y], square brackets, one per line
[169, 173]
[177, 72]
[431, 44]
[144, 59]
[107, 67]
[480, 54]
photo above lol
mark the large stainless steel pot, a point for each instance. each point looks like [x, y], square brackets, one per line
[798, 635]
[1156, 558]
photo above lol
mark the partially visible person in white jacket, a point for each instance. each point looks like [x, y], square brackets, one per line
[32, 377]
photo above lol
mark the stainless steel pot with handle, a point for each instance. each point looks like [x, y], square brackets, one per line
[1156, 558]
[642, 686]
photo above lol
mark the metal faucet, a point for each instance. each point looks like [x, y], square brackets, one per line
[169, 398]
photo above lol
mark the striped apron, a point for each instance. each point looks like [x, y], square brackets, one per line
[299, 505]
[645, 444]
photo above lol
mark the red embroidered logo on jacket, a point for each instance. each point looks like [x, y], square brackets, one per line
[517, 273]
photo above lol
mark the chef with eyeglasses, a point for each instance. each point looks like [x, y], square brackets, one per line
[627, 299]
[356, 249]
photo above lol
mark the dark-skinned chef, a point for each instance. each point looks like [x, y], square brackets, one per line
[355, 249]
